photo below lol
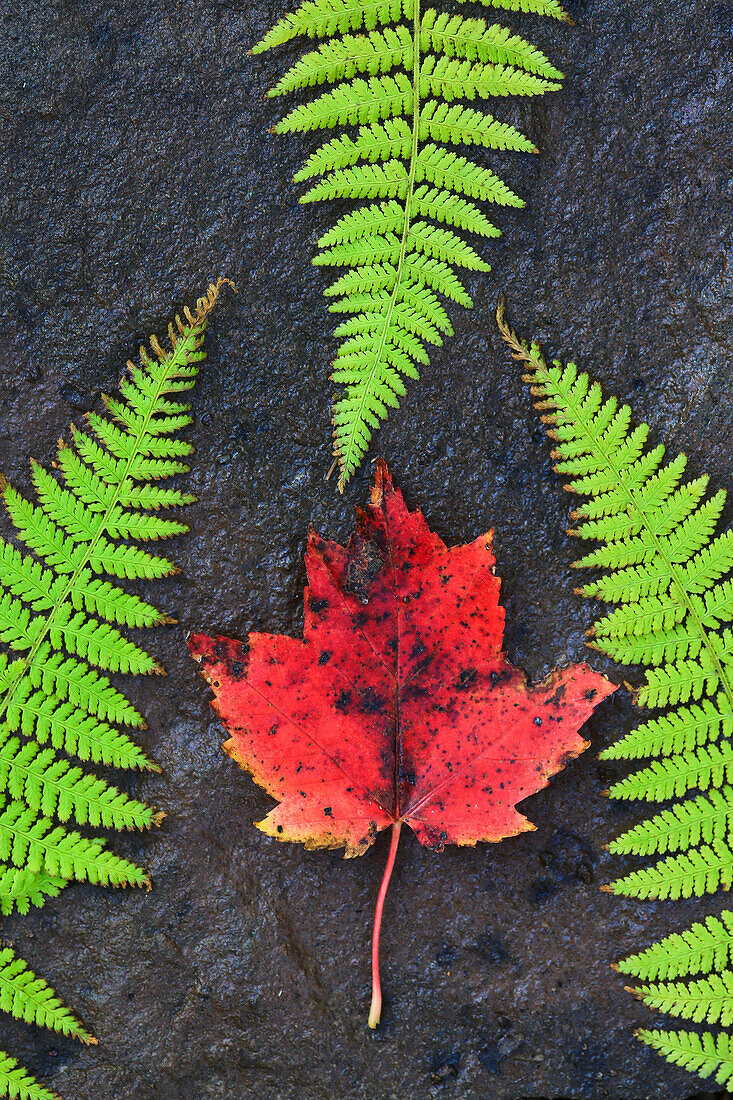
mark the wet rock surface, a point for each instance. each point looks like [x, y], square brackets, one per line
[135, 165]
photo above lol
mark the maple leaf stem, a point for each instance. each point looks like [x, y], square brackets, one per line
[375, 1011]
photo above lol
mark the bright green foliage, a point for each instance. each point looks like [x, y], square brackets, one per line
[700, 949]
[708, 1055]
[17, 1084]
[698, 871]
[400, 74]
[33, 843]
[674, 776]
[29, 998]
[655, 538]
[703, 819]
[663, 563]
[704, 1000]
[61, 627]
[50, 785]
[21, 888]
[677, 732]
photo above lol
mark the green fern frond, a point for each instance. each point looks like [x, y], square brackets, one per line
[45, 718]
[403, 75]
[21, 888]
[17, 1084]
[680, 731]
[698, 820]
[35, 844]
[707, 1055]
[702, 870]
[705, 1000]
[705, 947]
[710, 765]
[32, 1000]
[52, 786]
[61, 624]
[29, 998]
[668, 570]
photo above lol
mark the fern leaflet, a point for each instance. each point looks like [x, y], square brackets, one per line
[704, 1000]
[17, 1084]
[401, 74]
[29, 998]
[61, 622]
[700, 949]
[668, 569]
[708, 1055]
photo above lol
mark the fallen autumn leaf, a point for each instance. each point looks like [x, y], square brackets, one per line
[398, 705]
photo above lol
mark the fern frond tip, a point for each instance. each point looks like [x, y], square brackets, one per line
[706, 1054]
[401, 80]
[17, 1084]
[206, 303]
[519, 349]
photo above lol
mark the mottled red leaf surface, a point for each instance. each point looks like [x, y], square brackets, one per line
[398, 705]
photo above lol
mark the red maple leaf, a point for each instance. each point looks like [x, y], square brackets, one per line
[398, 704]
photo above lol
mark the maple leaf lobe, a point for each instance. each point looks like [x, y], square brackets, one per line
[398, 703]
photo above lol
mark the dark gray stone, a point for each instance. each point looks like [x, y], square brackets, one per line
[136, 164]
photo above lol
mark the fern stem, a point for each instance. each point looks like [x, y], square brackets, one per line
[375, 1010]
[406, 225]
[176, 359]
[534, 358]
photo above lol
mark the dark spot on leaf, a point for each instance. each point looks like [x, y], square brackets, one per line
[317, 606]
[465, 678]
[324, 658]
[557, 696]
[343, 702]
[370, 702]
[328, 811]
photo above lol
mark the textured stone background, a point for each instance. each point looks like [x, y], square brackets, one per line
[136, 164]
